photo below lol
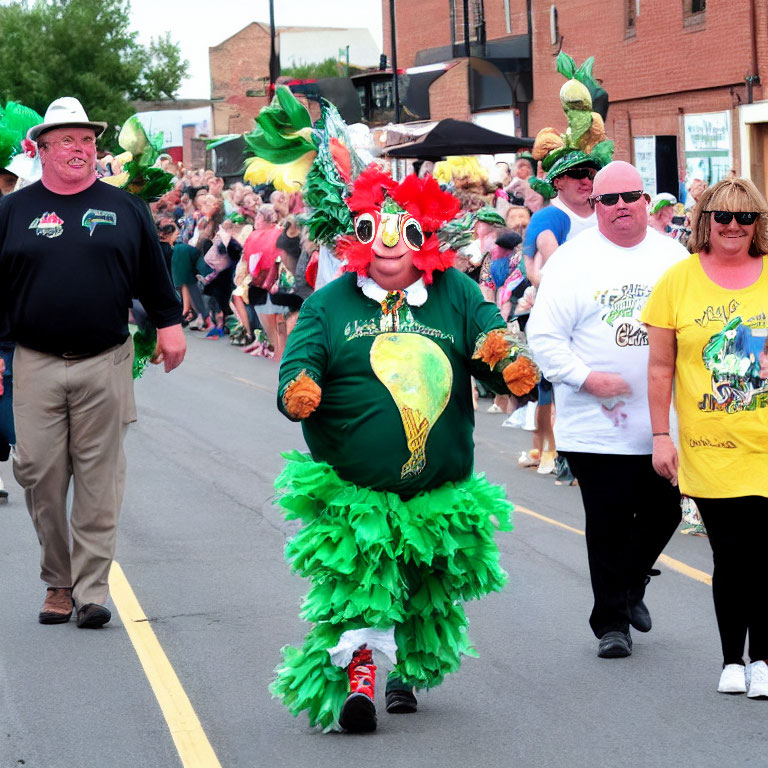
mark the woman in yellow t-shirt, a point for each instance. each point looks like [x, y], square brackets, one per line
[707, 322]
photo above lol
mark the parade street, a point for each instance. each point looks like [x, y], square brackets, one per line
[200, 563]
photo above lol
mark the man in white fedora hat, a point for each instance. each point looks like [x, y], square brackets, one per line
[73, 254]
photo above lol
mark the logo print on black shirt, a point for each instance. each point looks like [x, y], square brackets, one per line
[48, 225]
[92, 218]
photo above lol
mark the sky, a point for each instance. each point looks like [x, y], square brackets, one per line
[198, 24]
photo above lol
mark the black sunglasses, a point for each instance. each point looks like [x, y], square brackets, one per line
[742, 217]
[580, 173]
[613, 198]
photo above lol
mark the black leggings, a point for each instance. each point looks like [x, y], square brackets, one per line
[631, 513]
[737, 529]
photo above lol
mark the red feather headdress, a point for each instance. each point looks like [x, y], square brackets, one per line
[422, 198]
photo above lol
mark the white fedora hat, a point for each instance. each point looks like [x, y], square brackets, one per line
[65, 111]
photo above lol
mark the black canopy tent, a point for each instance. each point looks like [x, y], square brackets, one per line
[457, 137]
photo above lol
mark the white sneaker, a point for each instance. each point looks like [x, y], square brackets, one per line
[547, 463]
[732, 679]
[757, 680]
[495, 409]
[527, 460]
[516, 419]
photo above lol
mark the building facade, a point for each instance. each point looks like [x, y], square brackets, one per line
[240, 65]
[683, 76]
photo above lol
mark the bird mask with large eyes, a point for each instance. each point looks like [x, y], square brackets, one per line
[395, 225]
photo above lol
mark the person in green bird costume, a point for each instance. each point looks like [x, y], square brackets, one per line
[397, 531]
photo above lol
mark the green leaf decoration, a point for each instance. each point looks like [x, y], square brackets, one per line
[566, 66]
[283, 131]
[579, 122]
[584, 74]
[603, 152]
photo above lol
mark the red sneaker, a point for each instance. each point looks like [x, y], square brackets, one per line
[358, 714]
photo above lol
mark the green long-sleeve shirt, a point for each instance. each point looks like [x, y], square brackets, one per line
[396, 410]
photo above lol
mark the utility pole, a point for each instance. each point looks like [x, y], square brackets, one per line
[467, 52]
[395, 89]
[274, 72]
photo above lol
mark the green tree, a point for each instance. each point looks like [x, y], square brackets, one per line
[326, 68]
[86, 49]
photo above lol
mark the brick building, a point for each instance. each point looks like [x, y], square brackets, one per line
[683, 76]
[240, 66]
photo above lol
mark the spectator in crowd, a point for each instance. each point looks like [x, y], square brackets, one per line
[221, 252]
[585, 334]
[696, 188]
[719, 370]
[263, 258]
[662, 212]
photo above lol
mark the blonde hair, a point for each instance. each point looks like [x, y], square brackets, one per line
[729, 195]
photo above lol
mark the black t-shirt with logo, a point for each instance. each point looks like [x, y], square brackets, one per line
[71, 264]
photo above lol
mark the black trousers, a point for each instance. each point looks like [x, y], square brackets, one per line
[631, 513]
[736, 529]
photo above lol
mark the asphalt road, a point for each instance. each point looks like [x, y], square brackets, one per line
[201, 545]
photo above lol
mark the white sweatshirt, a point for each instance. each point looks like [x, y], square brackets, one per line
[586, 319]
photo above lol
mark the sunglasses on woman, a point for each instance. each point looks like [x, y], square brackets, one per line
[742, 217]
[613, 197]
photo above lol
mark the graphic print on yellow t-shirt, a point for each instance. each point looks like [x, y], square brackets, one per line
[731, 356]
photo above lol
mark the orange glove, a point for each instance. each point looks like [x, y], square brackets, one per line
[521, 376]
[301, 396]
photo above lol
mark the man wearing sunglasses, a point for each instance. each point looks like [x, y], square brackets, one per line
[568, 214]
[586, 336]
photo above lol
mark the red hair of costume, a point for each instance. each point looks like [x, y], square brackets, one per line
[422, 198]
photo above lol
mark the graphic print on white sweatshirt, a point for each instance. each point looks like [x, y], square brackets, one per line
[620, 309]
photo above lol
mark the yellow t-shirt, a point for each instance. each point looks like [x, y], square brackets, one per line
[720, 399]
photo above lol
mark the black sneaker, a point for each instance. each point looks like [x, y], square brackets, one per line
[401, 702]
[614, 645]
[358, 714]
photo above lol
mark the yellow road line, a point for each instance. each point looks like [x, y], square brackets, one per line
[670, 562]
[191, 742]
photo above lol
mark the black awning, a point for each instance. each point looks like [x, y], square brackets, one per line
[457, 137]
[340, 91]
[229, 157]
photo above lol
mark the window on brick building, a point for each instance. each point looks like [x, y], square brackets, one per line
[630, 17]
[694, 12]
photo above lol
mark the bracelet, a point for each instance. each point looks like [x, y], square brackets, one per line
[660, 434]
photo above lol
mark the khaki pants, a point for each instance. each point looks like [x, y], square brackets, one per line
[71, 417]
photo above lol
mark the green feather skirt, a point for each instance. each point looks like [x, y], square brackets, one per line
[377, 560]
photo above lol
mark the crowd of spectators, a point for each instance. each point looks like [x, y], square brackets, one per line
[243, 263]
[239, 257]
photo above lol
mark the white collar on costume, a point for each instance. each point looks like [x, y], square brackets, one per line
[415, 294]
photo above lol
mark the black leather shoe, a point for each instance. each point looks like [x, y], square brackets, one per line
[614, 645]
[92, 616]
[639, 617]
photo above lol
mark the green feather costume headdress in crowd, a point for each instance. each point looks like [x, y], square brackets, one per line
[319, 161]
[15, 121]
[584, 141]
